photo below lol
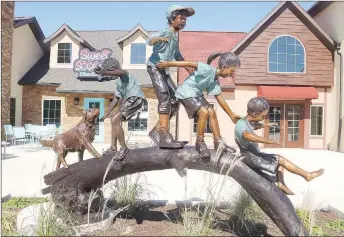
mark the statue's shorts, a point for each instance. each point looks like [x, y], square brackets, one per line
[193, 104]
[131, 106]
[165, 90]
[262, 163]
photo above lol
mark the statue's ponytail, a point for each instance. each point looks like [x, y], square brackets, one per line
[212, 57]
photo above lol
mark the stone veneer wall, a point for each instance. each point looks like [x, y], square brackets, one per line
[7, 11]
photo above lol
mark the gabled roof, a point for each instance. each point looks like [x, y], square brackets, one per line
[299, 12]
[133, 31]
[35, 28]
[318, 7]
[198, 45]
[66, 78]
[69, 30]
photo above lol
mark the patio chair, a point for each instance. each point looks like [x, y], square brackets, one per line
[19, 135]
[9, 135]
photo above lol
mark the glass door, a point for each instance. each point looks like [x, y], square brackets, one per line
[99, 104]
[294, 126]
[276, 133]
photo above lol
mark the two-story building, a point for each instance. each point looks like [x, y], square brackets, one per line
[329, 15]
[61, 84]
[286, 58]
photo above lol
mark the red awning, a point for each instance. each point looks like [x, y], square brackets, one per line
[287, 92]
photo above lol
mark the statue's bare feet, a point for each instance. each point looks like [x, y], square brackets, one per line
[66, 166]
[285, 189]
[314, 174]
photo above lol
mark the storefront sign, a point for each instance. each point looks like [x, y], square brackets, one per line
[89, 60]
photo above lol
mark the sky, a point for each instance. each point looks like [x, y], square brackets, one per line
[209, 16]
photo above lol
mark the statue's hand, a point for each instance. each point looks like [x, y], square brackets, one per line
[235, 118]
[272, 142]
[162, 64]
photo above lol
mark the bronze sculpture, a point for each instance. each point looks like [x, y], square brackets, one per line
[77, 139]
[132, 101]
[247, 140]
[165, 48]
[190, 94]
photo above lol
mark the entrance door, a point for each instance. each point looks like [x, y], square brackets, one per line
[294, 126]
[99, 104]
[275, 115]
[289, 130]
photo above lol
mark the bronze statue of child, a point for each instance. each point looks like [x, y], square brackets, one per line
[131, 99]
[190, 94]
[165, 48]
[267, 165]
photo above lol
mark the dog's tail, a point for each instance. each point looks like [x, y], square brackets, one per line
[47, 143]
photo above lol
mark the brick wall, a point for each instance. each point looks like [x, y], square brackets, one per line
[71, 114]
[7, 10]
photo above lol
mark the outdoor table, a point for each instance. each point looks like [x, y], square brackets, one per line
[4, 144]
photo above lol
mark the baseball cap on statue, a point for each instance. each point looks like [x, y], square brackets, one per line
[189, 10]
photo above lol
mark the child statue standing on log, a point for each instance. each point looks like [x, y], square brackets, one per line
[132, 101]
[247, 140]
[190, 94]
[165, 48]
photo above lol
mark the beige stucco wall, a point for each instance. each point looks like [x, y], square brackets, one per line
[236, 100]
[26, 52]
[138, 37]
[320, 142]
[63, 38]
[331, 20]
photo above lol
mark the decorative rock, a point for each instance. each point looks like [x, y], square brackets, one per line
[27, 218]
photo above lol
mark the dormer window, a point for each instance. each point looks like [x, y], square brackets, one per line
[138, 53]
[64, 53]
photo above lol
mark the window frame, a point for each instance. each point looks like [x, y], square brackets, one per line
[42, 117]
[193, 123]
[139, 131]
[268, 56]
[13, 117]
[145, 60]
[71, 51]
[310, 120]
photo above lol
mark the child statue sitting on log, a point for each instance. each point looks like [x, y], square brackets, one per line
[190, 94]
[267, 165]
[131, 99]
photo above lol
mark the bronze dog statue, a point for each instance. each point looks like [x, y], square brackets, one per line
[77, 139]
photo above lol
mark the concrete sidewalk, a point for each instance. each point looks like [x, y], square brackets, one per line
[23, 170]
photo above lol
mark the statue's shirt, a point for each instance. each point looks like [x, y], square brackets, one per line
[165, 51]
[241, 126]
[201, 79]
[126, 86]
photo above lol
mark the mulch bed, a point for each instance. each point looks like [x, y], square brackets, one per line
[166, 221]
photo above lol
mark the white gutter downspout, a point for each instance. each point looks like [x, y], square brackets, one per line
[338, 46]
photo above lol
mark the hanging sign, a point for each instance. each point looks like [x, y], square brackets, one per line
[88, 60]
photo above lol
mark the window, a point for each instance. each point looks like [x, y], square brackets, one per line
[64, 53]
[13, 111]
[207, 127]
[286, 54]
[139, 123]
[138, 54]
[317, 114]
[52, 112]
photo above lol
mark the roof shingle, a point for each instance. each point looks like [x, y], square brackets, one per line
[203, 44]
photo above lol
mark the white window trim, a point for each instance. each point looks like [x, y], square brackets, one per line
[71, 54]
[268, 53]
[131, 64]
[192, 122]
[42, 110]
[310, 122]
[139, 132]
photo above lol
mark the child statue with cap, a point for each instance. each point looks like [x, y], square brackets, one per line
[166, 48]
